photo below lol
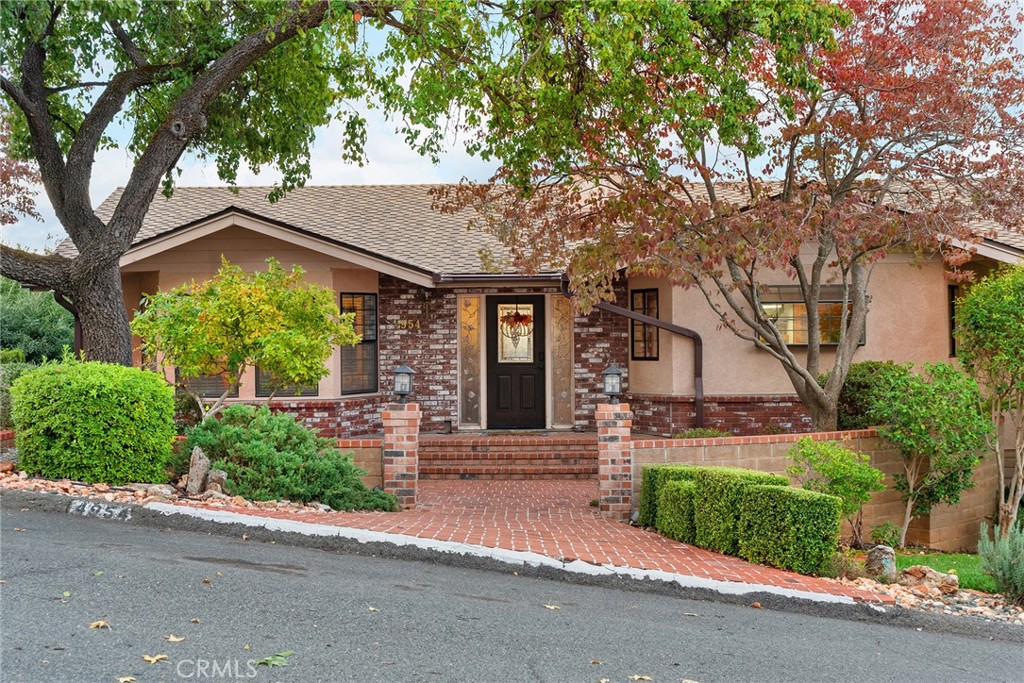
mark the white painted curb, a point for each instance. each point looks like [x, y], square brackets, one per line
[510, 557]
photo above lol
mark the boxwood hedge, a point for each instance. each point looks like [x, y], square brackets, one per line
[716, 504]
[93, 422]
[788, 527]
[675, 511]
[652, 479]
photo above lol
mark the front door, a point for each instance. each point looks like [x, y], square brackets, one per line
[515, 362]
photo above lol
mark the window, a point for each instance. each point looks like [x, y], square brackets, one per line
[644, 337]
[265, 387]
[784, 305]
[359, 362]
[206, 386]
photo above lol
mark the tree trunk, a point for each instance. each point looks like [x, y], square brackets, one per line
[104, 319]
[824, 416]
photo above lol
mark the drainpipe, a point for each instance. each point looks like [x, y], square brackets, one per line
[698, 346]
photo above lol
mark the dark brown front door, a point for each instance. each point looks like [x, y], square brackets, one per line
[515, 362]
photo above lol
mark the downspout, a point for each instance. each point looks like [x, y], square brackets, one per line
[698, 346]
[69, 307]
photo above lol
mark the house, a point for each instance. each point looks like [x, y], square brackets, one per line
[501, 350]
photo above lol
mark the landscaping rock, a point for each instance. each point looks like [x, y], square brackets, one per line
[198, 468]
[881, 563]
[920, 576]
[215, 480]
[162, 491]
[6, 466]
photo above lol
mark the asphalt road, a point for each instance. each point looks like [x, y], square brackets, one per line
[351, 618]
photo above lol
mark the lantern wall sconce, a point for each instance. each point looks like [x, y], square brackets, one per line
[612, 382]
[403, 382]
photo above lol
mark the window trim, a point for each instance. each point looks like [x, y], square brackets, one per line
[375, 342]
[284, 392]
[830, 294]
[644, 326]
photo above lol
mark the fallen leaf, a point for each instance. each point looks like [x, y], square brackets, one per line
[18, 528]
[690, 614]
[67, 594]
[280, 659]
[552, 607]
[604, 680]
[596, 661]
[687, 680]
[372, 608]
[99, 624]
[97, 573]
[640, 677]
[195, 620]
[125, 679]
[246, 647]
[218, 575]
[245, 537]
[756, 605]
[207, 581]
[171, 638]
[153, 659]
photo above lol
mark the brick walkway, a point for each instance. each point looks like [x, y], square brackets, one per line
[553, 518]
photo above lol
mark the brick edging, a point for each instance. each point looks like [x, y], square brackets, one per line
[847, 435]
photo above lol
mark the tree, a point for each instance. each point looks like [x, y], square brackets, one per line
[990, 336]
[908, 130]
[16, 178]
[249, 82]
[827, 467]
[936, 422]
[33, 322]
[236, 321]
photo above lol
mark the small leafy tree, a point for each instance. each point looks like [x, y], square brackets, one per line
[990, 333]
[237, 320]
[936, 422]
[827, 467]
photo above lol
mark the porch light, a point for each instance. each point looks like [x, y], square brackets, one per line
[612, 382]
[403, 382]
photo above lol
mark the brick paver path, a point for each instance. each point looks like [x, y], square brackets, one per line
[554, 518]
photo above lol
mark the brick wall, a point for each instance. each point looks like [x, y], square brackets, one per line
[946, 528]
[665, 415]
[334, 417]
[419, 327]
[600, 339]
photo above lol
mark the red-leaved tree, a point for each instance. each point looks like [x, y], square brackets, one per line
[17, 198]
[911, 135]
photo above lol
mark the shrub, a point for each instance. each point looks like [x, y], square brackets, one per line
[858, 393]
[653, 477]
[936, 422]
[717, 504]
[886, 533]
[270, 456]
[93, 422]
[675, 511]
[1003, 560]
[702, 433]
[827, 467]
[33, 322]
[788, 527]
[11, 356]
[8, 373]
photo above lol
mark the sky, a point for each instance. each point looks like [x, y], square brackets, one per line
[390, 161]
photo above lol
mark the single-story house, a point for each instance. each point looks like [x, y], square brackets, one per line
[503, 351]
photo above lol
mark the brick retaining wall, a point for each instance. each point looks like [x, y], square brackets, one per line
[666, 415]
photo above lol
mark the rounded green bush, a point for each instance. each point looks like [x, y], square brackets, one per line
[862, 384]
[93, 422]
[8, 373]
[270, 456]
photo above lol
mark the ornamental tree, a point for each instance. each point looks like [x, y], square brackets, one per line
[935, 421]
[237, 320]
[17, 197]
[249, 82]
[908, 129]
[990, 336]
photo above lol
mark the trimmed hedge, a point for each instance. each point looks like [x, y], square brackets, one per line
[788, 527]
[93, 422]
[675, 511]
[8, 373]
[717, 504]
[652, 479]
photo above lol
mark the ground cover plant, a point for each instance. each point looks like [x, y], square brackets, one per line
[270, 456]
[1002, 558]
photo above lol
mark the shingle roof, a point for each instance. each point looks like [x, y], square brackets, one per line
[395, 222]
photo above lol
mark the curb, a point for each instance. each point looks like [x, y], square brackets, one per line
[410, 548]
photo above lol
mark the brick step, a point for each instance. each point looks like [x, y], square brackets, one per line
[507, 472]
[517, 461]
[506, 455]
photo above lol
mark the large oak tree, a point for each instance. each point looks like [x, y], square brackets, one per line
[910, 132]
[251, 81]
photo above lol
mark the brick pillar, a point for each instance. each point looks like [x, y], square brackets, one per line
[614, 460]
[400, 445]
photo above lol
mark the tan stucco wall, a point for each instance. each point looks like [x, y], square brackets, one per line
[907, 321]
[200, 259]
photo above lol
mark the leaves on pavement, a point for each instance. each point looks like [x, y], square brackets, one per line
[125, 679]
[153, 659]
[171, 638]
[195, 620]
[640, 677]
[280, 659]
[99, 624]
[552, 607]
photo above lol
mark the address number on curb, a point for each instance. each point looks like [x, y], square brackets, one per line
[88, 508]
